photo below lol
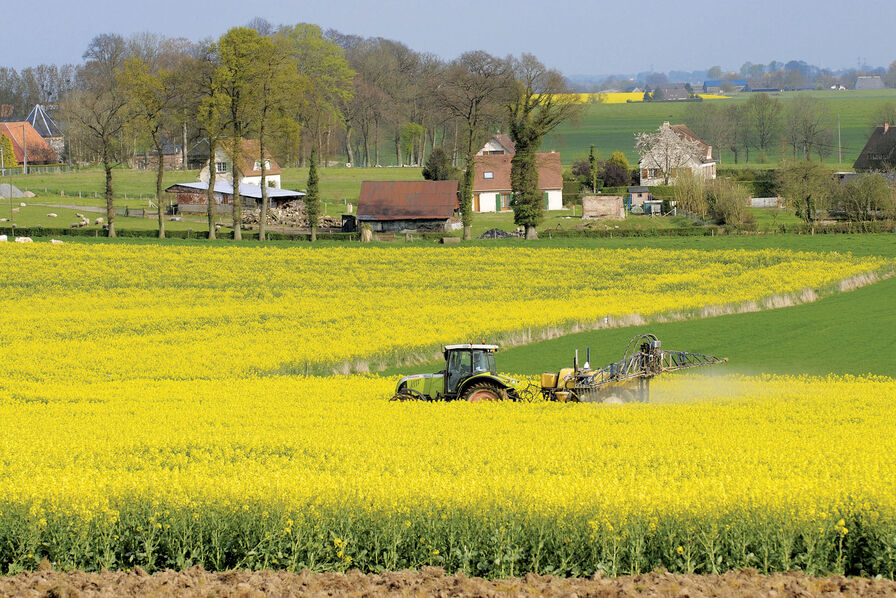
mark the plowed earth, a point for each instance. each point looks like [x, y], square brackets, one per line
[196, 582]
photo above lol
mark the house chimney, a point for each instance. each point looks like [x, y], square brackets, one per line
[886, 128]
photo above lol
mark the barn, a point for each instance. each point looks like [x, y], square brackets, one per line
[192, 197]
[393, 206]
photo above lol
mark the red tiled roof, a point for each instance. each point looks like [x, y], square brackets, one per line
[39, 151]
[550, 172]
[407, 200]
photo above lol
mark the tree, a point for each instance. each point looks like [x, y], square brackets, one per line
[715, 72]
[151, 91]
[9, 156]
[475, 85]
[539, 103]
[807, 187]
[279, 86]
[807, 125]
[312, 196]
[237, 78]
[665, 151]
[689, 193]
[438, 166]
[764, 114]
[97, 106]
[210, 105]
[592, 169]
[867, 197]
[884, 114]
[726, 201]
[328, 83]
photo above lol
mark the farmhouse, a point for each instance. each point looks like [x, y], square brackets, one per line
[678, 149]
[47, 128]
[672, 91]
[391, 206]
[869, 82]
[248, 164]
[28, 145]
[715, 86]
[879, 153]
[491, 182]
[172, 158]
[193, 197]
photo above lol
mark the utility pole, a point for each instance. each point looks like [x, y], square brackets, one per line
[839, 145]
[24, 152]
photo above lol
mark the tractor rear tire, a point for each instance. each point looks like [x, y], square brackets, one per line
[484, 391]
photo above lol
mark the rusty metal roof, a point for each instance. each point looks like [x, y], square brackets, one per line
[407, 200]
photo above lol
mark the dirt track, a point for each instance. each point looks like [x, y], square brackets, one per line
[196, 582]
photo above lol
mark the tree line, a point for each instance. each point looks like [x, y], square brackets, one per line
[300, 92]
[804, 127]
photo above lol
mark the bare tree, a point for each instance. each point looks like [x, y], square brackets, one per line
[97, 107]
[764, 114]
[474, 88]
[807, 125]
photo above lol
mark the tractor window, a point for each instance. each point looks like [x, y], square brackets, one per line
[483, 361]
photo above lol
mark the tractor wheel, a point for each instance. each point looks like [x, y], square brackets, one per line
[484, 391]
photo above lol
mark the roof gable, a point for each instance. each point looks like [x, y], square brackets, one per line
[879, 152]
[249, 155]
[407, 200]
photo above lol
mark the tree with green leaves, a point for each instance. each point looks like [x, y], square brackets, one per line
[237, 78]
[151, 91]
[9, 154]
[438, 166]
[807, 187]
[312, 196]
[280, 88]
[473, 89]
[867, 197]
[210, 105]
[538, 104]
[592, 169]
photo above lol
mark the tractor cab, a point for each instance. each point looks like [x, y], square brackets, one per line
[464, 361]
[470, 375]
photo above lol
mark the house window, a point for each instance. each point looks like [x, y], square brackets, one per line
[488, 174]
[222, 167]
[257, 165]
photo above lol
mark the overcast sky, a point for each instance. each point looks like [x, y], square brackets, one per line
[578, 38]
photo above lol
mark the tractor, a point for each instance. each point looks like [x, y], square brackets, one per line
[470, 375]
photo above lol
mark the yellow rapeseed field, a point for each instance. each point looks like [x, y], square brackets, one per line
[152, 413]
[621, 97]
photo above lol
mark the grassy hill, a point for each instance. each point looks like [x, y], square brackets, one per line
[611, 127]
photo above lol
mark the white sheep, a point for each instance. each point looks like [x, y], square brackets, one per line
[98, 221]
[24, 240]
[3, 238]
[51, 215]
[55, 242]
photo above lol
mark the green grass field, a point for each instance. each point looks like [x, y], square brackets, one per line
[611, 127]
[844, 333]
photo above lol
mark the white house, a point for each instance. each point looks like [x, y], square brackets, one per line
[491, 183]
[249, 165]
[671, 149]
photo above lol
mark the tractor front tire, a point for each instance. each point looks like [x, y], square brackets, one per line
[484, 391]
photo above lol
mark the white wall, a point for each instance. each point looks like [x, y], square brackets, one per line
[488, 202]
[256, 180]
[555, 199]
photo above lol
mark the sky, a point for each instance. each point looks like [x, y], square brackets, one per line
[587, 37]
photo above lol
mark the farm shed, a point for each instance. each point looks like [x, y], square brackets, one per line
[599, 207]
[870, 82]
[879, 153]
[192, 197]
[637, 196]
[391, 206]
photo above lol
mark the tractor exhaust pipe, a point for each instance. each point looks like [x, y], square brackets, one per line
[575, 362]
[587, 365]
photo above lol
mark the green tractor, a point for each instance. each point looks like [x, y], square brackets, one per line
[469, 375]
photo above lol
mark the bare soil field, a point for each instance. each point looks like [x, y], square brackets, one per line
[196, 582]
